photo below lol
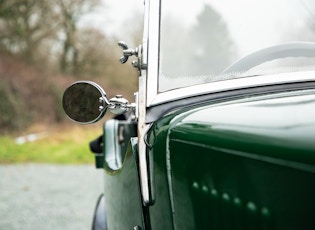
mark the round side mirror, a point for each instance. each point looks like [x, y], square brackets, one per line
[85, 102]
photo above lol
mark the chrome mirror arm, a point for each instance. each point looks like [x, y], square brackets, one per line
[119, 105]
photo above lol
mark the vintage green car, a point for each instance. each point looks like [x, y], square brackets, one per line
[222, 131]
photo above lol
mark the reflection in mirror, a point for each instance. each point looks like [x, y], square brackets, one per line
[85, 102]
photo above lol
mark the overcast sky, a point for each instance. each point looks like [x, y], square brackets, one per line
[111, 17]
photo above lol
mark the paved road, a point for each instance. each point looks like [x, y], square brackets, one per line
[44, 197]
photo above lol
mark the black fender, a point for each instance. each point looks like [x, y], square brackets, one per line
[99, 218]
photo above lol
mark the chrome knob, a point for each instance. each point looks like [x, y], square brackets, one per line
[127, 52]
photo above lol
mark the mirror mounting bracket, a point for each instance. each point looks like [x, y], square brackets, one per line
[132, 52]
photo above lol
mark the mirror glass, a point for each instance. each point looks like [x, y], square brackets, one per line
[81, 102]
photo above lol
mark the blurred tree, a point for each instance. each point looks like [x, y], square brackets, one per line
[203, 48]
[71, 11]
[212, 43]
[29, 27]
[94, 52]
[24, 26]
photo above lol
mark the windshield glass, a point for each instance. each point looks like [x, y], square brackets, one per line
[207, 40]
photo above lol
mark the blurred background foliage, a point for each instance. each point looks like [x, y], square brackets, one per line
[43, 50]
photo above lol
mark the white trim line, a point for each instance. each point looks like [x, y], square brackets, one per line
[232, 84]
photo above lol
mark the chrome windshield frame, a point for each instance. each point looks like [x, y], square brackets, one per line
[153, 32]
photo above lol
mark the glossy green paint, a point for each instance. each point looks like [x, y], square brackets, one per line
[123, 205]
[242, 164]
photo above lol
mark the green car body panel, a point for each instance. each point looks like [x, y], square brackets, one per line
[240, 164]
[121, 179]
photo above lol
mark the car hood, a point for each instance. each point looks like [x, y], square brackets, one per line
[278, 126]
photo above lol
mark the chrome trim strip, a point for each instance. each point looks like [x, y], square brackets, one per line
[146, 190]
[153, 50]
[232, 84]
[142, 148]
[145, 35]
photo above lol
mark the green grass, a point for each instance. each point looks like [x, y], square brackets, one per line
[66, 146]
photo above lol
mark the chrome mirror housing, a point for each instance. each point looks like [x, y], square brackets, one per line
[86, 102]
